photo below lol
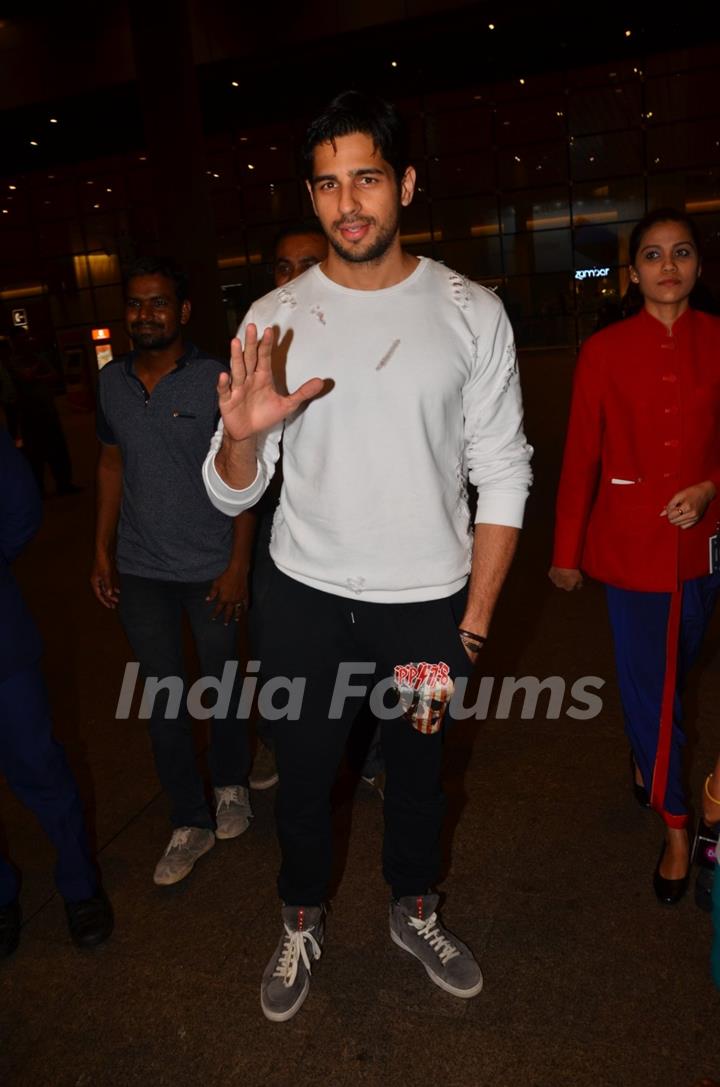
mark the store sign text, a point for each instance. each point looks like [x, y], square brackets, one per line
[592, 273]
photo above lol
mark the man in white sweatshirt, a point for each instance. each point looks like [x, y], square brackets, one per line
[379, 581]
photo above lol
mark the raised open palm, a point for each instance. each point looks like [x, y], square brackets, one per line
[249, 402]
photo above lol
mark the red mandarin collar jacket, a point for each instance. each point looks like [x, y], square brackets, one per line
[644, 424]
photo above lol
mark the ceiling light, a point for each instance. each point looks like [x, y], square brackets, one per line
[235, 83]
[53, 120]
[33, 143]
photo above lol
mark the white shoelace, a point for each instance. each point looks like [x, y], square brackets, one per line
[294, 950]
[430, 931]
[179, 839]
[228, 795]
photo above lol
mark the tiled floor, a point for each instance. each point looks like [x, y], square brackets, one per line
[588, 983]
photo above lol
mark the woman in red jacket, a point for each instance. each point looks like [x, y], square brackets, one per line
[636, 506]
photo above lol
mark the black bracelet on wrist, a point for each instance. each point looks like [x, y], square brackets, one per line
[468, 635]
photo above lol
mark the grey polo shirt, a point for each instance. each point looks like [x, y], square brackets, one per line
[168, 528]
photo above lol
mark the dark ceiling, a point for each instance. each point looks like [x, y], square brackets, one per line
[75, 63]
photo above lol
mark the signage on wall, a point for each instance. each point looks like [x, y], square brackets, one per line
[592, 273]
[19, 318]
[103, 353]
[103, 347]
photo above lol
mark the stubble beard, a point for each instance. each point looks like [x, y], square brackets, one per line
[376, 250]
[152, 340]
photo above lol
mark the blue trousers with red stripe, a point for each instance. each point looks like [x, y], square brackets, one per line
[658, 637]
[34, 764]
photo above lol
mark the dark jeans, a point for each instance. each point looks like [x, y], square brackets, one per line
[37, 772]
[261, 572]
[307, 633]
[151, 613]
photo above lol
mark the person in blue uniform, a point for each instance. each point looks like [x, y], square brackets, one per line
[31, 760]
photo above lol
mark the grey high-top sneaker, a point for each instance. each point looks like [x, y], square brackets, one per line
[286, 981]
[232, 812]
[415, 927]
[186, 846]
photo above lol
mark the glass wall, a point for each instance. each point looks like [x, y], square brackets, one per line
[530, 187]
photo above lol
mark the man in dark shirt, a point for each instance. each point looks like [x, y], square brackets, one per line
[162, 550]
[32, 761]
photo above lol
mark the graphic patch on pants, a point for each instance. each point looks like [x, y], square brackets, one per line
[424, 691]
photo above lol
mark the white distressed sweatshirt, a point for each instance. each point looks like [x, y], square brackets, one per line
[424, 395]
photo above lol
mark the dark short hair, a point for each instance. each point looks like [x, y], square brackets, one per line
[160, 266]
[296, 230]
[356, 111]
[661, 215]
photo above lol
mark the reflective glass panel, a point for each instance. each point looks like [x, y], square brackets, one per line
[476, 259]
[465, 217]
[606, 154]
[535, 209]
[459, 174]
[698, 191]
[611, 201]
[605, 108]
[533, 165]
[541, 251]
[516, 123]
[682, 145]
[466, 130]
[599, 245]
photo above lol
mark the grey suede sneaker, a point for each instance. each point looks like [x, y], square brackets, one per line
[233, 812]
[286, 981]
[186, 846]
[414, 926]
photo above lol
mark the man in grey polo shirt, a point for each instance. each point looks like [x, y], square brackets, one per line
[161, 549]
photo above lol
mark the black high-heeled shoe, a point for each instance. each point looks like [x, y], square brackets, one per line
[639, 791]
[669, 891]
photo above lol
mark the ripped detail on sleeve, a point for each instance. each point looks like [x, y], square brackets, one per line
[510, 366]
